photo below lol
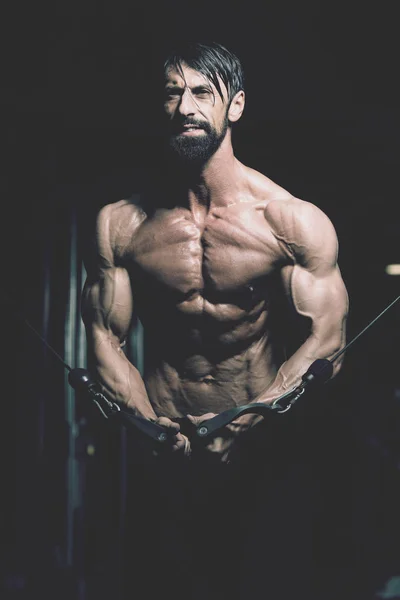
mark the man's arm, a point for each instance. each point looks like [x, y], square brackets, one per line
[107, 305]
[313, 285]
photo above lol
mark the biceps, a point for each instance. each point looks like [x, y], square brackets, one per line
[323, 299]
[107, 303]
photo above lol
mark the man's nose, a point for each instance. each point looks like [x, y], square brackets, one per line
[187, 105]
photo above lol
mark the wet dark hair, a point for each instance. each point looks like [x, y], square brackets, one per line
[211, 60]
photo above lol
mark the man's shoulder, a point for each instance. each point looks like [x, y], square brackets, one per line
[293, 214]
[302, 227]
[121, 211]
[119, 218]
[116, 224]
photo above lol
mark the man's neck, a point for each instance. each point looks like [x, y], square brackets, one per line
[214, 184]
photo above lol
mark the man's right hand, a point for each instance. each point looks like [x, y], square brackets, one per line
[176, 442]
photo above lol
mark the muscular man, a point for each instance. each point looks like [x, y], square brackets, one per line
[215, 262]
[203, 266]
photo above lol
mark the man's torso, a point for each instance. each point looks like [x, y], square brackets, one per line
[206, 293]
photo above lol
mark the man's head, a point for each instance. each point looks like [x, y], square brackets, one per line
[204, 95]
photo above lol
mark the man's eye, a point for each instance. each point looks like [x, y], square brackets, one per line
[203, 93]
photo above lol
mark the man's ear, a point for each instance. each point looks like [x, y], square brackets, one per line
[236, 107]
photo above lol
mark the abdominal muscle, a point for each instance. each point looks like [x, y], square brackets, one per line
[208, 367]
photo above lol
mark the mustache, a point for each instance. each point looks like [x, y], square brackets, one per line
[178, 126]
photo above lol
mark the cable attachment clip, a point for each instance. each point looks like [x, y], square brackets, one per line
[81, 381]
[319, 372]
[289, 398]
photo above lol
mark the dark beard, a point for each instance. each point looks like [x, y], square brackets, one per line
[197, 150]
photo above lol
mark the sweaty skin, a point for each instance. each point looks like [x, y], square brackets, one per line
[217, 281]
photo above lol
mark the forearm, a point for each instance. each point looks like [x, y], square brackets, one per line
[323, 343]
[120, 380]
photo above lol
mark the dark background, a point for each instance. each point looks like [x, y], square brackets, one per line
[79, 129]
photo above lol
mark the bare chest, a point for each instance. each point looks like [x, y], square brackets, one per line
[227, 252]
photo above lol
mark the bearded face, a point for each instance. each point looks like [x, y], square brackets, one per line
[197, 116]
[195, 141]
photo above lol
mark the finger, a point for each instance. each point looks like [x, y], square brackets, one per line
[197, 420]
[182, 444]
[179, 441]
[168, 424]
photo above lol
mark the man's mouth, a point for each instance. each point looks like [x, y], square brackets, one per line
[191, 128]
